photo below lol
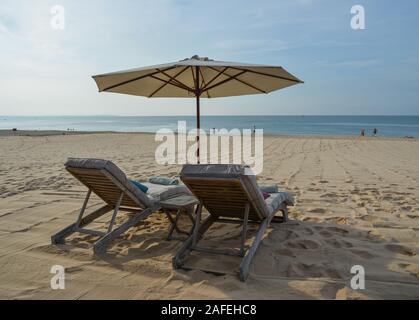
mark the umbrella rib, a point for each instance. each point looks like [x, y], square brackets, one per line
[268, 75]
[216, 77]
[203, 84]
[225, 80]
[167, 82]
[243, 82]
[173, 84]
[135, 79]
[194, 81]
[175, 80]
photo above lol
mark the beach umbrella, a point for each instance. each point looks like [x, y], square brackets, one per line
[197, 78]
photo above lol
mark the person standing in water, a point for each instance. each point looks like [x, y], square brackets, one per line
[362, 132]
[375, 131]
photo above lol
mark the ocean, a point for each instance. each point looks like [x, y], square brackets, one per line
[391, 126]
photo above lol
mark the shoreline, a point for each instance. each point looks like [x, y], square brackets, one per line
[46, 133]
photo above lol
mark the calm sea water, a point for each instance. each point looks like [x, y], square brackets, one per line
[396, 126]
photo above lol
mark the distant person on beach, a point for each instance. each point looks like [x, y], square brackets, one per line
[362, 132]
[375, 131]
[254, 129]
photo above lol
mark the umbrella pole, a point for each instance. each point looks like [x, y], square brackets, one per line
[198, 124]
[198, 115]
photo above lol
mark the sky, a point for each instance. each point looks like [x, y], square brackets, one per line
[375, 71]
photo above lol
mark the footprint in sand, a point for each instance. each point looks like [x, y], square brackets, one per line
[309, 270]
[291, 235]
[396, 248]
[313, 189]
[362, 253]
[339, 244]
[338, 220]
[334, 243]
[317, 210]
[325, 234]
[324, 181]
[387, 198]
[73, 269]
[282, 236]
[304, 244]
[340, 231]
[413, 269]
[407, 208]
[368, 218]
[308, 231]
[333, 273]
[285, 252]
[329, 195]
[311, 219]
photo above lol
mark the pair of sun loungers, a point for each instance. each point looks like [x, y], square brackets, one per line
[229, 193]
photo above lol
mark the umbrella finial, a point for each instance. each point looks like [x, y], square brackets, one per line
[197, 57]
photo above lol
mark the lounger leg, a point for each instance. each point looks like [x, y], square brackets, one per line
[101, 245]
[83, 208]
[245, 265]
[197, 225]
[173, 224]
[191, 217]
[285, 214]
[275, 219]
[186, 248]
[115, 212]
[61, 235]
[244, 231]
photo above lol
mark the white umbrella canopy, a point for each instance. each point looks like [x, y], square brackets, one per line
[197, 78]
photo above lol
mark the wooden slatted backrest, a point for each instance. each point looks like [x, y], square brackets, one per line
[224, 197]
[105, 186]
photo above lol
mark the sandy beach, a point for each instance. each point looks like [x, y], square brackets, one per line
[357, 204]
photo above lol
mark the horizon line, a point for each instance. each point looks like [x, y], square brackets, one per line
[215, 115]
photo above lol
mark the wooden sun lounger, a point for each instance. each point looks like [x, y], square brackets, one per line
[110, 184]
[231, 195]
